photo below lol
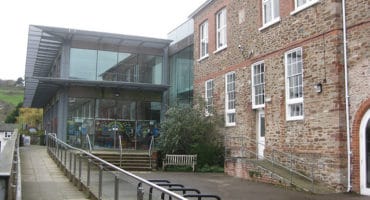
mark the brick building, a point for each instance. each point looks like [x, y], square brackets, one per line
[277, 73]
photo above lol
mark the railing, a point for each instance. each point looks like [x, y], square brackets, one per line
[150, 150]
[10, 170]
[120, 151]
[89, 172]
[89, 142]
[241, 147]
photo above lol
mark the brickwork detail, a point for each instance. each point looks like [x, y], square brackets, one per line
[321, 135]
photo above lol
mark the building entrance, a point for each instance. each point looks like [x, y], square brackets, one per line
[365, 154]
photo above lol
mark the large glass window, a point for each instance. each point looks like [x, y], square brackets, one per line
[113, 66]
[270, 11]
[221, 29]
[209, 96]
[230, 99]
[204, 40]
[106, 60]
[181, 69]
[80, 120]
[258, 85]
[83, 64]
[294, 84]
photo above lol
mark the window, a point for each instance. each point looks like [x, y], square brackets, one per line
[303, 4]
[221, 29]
[258, 85]
[270, 9]
[204, 40]
[230, 99]
[294, 84]
[209, 96]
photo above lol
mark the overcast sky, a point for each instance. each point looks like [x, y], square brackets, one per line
[152, 18]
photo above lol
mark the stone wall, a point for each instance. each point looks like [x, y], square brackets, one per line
[321, 135]
[358, 37]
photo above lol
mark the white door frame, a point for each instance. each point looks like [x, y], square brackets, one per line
[260, 140]
[363, 174]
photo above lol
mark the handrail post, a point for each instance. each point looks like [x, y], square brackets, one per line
[120, 153]
[291, 167]
[100, 193]
[88, 173]
[79, 167]
[140, 193]
[313, 177]
[116, 187]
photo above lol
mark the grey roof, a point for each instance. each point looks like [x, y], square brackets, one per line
[44, 46]
[7, 127]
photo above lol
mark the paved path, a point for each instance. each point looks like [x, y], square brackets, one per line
[42, 179]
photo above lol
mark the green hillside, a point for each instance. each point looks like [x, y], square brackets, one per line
[10, 96]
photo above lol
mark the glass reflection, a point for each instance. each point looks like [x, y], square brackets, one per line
[82, 64]
[113, 66]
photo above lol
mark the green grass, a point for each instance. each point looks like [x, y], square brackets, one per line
[11, 96]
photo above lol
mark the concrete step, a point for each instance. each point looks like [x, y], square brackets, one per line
[130, 161]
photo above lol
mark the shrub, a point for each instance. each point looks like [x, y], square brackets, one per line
[187, 130]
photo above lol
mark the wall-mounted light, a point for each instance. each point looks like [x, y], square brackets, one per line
[244, 52]
[318, 87]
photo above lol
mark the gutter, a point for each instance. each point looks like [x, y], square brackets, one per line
[349, 152]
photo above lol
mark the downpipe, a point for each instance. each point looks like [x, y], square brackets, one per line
[349, 152]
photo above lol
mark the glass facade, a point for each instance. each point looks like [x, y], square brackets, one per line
[181, 77]
[87, 64]
[107, 120]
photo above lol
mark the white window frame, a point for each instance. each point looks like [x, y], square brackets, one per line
[203, 39]
[298, 100]
[307, 4]
[275, 17]
[253, 75]
[208, 96]
[228, 101]
[221, 30]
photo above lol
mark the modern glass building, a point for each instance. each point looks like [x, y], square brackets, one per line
[181, 64]
[97, 84]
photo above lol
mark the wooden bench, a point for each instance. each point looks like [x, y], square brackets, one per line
[180, 160]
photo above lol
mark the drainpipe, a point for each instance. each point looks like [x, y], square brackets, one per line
[349, 152]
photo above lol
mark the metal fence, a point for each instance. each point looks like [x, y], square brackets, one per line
[10, 170]
[101, 179]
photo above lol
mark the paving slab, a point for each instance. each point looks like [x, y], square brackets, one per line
[42, 179]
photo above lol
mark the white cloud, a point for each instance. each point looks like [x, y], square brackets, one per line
[136, 17]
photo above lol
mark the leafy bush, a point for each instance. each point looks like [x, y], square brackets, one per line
[187, 130]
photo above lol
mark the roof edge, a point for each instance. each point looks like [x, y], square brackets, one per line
[200, 8]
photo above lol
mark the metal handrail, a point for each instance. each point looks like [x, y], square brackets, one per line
[120, 151]
[292, 158]
[58, 142]
[88, 142]
[150, 150]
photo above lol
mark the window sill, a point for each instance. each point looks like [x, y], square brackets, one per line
[230, 125]
[258, 106]
[299, 9]
[203, 58]
[294, 118]
[275, 21]
[220, 49]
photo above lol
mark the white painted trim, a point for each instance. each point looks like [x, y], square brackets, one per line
[305, 6]
[363, 189]
[274, 21]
